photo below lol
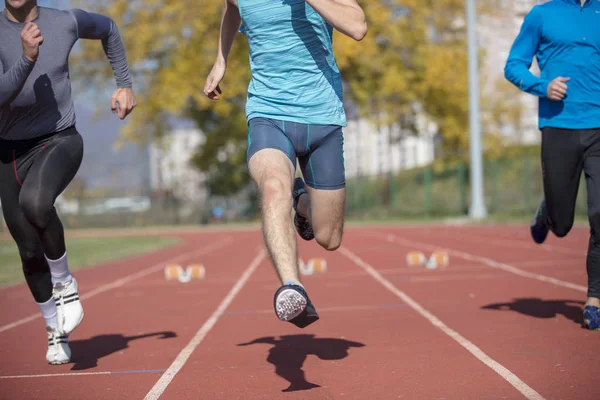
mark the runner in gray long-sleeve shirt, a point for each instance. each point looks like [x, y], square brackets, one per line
[41, 150]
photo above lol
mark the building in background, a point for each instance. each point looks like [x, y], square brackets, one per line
[171, 172]
[370, 151]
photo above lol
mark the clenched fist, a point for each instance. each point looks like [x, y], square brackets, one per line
[31, 38]
[123, 102]
[212, 88]
[557, 89]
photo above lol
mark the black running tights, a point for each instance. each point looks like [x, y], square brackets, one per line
[565, 154]
[32, 175]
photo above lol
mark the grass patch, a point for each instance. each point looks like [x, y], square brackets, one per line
[83, 252]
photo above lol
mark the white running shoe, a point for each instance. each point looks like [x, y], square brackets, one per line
[58, 347]
[69, 311]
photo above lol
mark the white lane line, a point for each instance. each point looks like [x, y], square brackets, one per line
[489, 262]
[507, 375]
[129, 278]
[164, 381]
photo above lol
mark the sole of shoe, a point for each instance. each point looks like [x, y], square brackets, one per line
[59, 362]
[289, 304]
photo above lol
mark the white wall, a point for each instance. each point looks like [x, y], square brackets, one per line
[170, 167]
[369, 151]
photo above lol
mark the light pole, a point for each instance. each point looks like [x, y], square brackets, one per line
[477, 209]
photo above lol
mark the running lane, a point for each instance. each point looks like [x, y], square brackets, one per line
[529, 326]
[368, 344]
[133, 331]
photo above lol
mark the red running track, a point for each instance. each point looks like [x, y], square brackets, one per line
[501, 321]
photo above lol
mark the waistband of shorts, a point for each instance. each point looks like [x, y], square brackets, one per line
[29, 143]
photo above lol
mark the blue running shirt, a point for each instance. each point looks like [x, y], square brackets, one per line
[294, 74]
[564, 35]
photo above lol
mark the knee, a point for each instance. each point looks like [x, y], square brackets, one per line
[30, 254]
[36, 209]
[32, 259]
[328, 238]
[561, 229]
[275, 190]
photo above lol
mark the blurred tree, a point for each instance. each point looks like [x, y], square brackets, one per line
[412, 60]
[502, 116]
[171, 47]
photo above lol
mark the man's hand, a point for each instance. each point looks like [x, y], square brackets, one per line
[123, 102]
[212, 88]
[557, 89]
[31, 39]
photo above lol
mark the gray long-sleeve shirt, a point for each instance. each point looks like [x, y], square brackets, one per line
[35, 97]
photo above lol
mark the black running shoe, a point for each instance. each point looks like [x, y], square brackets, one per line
[293, 305]
[301, 223]
[539, 224]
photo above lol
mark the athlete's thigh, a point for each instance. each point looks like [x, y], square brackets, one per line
[323, 165]
[24, 234]
[324, 173]
[54, 167]
[270, 152]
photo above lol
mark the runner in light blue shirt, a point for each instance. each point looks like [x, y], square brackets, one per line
[295, 113]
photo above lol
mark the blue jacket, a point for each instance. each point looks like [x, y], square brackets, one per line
[564, 36]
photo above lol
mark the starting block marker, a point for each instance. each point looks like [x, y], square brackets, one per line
[437, 259]
[415, 258]
[314, 265]
[176, 272]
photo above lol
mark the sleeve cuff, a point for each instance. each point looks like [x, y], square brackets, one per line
[26, 61]
[544, 88]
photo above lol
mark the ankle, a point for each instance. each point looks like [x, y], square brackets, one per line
[294, 282]
[63, 279]
[59, 270]
[593, 301]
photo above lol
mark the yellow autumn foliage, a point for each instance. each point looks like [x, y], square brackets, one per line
[415, 52]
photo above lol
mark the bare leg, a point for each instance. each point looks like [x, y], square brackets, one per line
[273, 174]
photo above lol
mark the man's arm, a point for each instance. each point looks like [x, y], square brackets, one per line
[230, 23]
[12, 81]
[345, 16]
[521, 56]
[99, 27]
